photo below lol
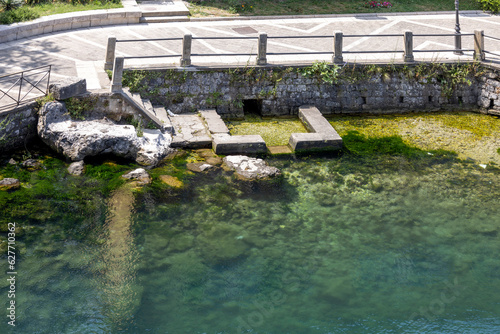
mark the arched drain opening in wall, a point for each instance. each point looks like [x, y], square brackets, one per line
[492, 103]
[252, 106]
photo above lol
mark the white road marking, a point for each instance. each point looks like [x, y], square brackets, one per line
[375, 32]
[156, 44]
[87, 70]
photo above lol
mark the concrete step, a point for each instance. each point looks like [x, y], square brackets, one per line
[190, 132]
[137, 98]
[147, 13]
[148, 105]
[161, 113]
[163, 19]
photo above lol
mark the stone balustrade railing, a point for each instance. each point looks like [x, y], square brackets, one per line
[117, 63]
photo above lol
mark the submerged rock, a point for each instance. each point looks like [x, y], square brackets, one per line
[250, 168]
[76, 168]
[32, 164]
[77, 139]
[9, 184]
[198, 167]
[171, 181]
[138, 174]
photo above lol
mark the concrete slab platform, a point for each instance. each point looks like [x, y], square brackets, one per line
[322, 135]
[250, 144]
[190, 132]
[214, 122]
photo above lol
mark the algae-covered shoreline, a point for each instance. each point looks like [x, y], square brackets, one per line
[364, 241]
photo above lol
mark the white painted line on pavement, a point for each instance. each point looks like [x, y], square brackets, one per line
[481, 20]
[156, 44]
[374, 32]
[101, 46]
[86, 69]
[187, 31]
[433, 26]
[428, 43]
[313, 29]
[268, 41]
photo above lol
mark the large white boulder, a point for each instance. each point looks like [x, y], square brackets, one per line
[250, 168]
[77, 139]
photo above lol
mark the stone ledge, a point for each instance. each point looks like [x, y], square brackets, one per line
[313, 141]
[322, 135]
[214, 122]
[226, 144]
[68, 21]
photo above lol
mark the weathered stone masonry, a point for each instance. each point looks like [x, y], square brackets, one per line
[228, 91]
[18, 126]
[221, 89]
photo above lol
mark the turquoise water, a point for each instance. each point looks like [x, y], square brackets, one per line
[344, 244]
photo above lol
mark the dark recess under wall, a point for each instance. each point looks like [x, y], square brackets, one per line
[252, 106]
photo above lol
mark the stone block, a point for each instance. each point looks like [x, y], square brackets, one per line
[68, 87]
[80, 24]
[226, 144]
[61, 26]
[7, 34]
[214, 122]
[314, 120]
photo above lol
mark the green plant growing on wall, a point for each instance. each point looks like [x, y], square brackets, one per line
[78, 106]
[322, 71]
[3, 126]
[214, 99]
[137, 124]
[44, 100]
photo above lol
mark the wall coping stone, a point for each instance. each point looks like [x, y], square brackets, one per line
[21, 30]
[322, 136]
[249, 144]
[133, 13]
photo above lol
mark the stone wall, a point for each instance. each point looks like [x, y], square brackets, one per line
[18, 126]
[489, 92]
[229, 91]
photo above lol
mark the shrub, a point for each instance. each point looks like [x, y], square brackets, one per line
[8, 5]
[18, 15]
[490, 5]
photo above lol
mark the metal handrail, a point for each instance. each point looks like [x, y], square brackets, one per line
[445, 50]
[491, 37]
[149, 39]
[24, 77]
[381, 35]
[190, 38]
[441, 35]
[492, 53]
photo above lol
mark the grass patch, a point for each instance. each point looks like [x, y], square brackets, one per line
[307, 7]
[275, 132]
[28, 13]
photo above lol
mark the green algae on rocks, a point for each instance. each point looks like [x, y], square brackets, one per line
[275, 132]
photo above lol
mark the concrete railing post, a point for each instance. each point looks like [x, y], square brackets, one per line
[186, 50]
[408, 42]
[110, 53]
[116, 80]
[262, 49]
[479, 45]
[337, 47]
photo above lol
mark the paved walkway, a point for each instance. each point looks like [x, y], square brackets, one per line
[81, 52]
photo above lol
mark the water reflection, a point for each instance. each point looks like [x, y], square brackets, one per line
[122, 294]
